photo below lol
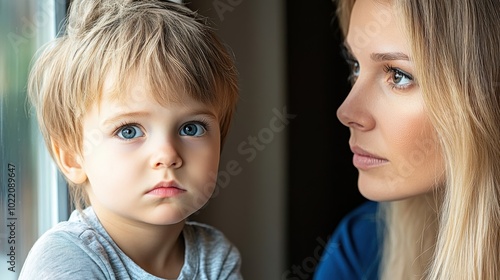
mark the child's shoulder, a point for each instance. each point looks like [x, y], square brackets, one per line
[202, 228]
[68, 233]
[204, 235]
[209, 253]
[67, 248]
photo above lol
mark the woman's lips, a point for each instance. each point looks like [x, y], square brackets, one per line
[365, 160]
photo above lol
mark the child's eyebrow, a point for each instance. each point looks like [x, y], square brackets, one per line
[113, 119]
[201, 111]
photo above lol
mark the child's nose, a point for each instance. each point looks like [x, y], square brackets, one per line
[167, 156]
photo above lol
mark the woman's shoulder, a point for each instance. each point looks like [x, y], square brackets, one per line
[365, 215]
[358, 230]
[366, 207]
[353, 250]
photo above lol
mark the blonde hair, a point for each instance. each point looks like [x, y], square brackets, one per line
[168, 45]
[453, 233]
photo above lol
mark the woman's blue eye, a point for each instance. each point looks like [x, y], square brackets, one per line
[128, 132]
[192, 129]
[355, 68]
[352, 62]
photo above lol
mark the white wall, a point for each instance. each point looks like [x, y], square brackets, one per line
[250, 206]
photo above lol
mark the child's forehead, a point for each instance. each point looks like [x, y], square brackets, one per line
[134, 88]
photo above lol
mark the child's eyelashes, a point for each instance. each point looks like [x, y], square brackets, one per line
[194, 129]
[129, 131]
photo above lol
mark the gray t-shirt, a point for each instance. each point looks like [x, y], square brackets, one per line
[81, 249]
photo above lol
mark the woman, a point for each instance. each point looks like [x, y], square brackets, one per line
[424, 115]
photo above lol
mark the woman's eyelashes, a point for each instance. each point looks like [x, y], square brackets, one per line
[353, 71]
[395, 77]
[352, 63]
[398, 79]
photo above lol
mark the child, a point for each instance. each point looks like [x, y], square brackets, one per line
[134, 103]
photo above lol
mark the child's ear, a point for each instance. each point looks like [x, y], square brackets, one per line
[70, 164]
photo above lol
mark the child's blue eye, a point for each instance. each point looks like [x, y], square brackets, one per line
[128, 132]
[192, 129]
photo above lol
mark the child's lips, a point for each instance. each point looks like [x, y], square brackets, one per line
[166, 189]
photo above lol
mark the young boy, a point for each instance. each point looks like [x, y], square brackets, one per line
[134, 102]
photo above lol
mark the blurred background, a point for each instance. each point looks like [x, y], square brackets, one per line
[285, 178]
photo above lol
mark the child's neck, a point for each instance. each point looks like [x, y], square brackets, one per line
[159, 250]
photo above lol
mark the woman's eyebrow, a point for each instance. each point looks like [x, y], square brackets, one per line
[389, 56]
[346, 49]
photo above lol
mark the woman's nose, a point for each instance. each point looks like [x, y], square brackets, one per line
[355, 111]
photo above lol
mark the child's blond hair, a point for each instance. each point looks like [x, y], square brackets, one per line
[165, 43]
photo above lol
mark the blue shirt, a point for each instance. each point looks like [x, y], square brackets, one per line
[353, 250]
